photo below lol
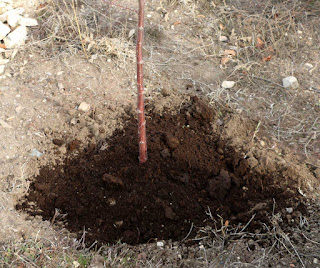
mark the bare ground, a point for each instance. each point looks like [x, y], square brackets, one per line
[52, 75]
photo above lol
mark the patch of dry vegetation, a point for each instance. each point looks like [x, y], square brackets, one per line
[273, 40]
[88, 27]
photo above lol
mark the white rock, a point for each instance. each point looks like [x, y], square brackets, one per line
[28, 22]
[2, 69]
[308, 66]
[3, 17]
[19, 10]
[13, 18]
[84, 107]
[19, 109]
[3, 61]
[290, 82]
[4, 124]
[16, 38]
[315, 261]
[131, 32]
[223, 38]
[4, 30]
[160, 244]
[228, 84]
[289, 210]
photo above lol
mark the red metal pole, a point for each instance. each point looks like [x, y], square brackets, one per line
[141, 113]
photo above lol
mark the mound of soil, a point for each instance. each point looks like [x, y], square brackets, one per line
[191, 169]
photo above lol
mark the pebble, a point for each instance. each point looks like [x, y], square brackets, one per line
[228, 84]
[289, 210]
[28, 22]
[84, 107]
[5, 88]
[308, 66]
[4, 124]
[57, 142]
[4, 30]
[3, 61]
[160, 244]
[315, 261]
[13, 18]
[60, 86]
[2, 67]
[165, 92]
[223, 38]
[290, 82]
[63, 149]
[36, 153]
[73, 121]
[112, 180]
[16, 38]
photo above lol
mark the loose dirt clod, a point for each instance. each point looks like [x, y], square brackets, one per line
[191, 169]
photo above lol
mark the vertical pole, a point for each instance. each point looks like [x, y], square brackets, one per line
[141, 114]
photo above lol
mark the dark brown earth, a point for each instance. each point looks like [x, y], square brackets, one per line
[190, 170]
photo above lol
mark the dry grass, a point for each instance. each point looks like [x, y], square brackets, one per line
[288, 30]
[88, 27]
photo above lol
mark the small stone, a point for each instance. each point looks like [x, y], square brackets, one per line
[308, 66]
[223, 38]
[28, 22]
[165, 153]
[4, 30]
[315, 261]
[219, 122]
[73, 121]
[228, 84]
[2, 67]
[76, 264]
[84, 107]
[112, 180]
[63, 149]
[5, 88]
[36, 153]
[4, 61]
[13, 18]
[131, 32]
[289, 210]
[160, 244]
[262, 143]
[58, 142]
[118, 223]
[4, 124]
[19, 109]
[16, 38]
[60, 86]
[290, 82]
[165, 92]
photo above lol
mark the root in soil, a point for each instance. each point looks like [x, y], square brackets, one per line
[191, 169]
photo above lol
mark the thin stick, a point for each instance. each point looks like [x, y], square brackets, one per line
[141, 114]
[78, 27]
